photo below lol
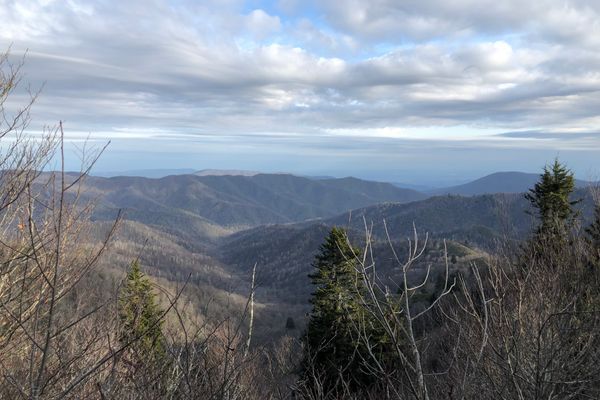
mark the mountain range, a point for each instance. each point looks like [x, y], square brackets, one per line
[234, 202]
[214, 228]
[498, 182]
[199, 211]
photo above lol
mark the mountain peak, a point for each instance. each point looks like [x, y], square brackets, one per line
[498, 182]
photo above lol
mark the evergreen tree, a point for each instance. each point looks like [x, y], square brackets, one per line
[140, 315]
[550, 197]
[331, 340]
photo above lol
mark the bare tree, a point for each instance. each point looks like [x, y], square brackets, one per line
[393, 307]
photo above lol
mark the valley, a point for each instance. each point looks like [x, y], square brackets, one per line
[215, 228]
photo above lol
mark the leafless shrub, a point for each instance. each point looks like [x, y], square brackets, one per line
[542, 318]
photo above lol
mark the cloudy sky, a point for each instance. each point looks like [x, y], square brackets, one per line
[426, 91]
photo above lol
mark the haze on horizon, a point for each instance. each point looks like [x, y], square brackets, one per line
[419, 92]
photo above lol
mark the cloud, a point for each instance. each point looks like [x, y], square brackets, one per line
[392, 20]
[563, 136]
[262, 25]
[375, 69]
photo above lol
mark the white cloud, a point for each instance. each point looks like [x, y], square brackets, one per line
[261, 25]
[393, 20]
[375, 68]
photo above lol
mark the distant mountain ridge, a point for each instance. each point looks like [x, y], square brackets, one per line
[145, 173]
[225, 172]
[499, 182]
[209, 206]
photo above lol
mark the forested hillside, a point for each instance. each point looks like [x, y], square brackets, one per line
[235, 202]
[174, 240]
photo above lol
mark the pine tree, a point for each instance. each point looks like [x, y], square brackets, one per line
[551, 245]
[550, 197]
[140, 316]
[331, 340]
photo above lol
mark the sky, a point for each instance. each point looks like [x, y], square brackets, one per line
[416, 91]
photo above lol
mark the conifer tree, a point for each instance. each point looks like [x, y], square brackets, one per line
[140, 315]
[550, 197]
[331, 341]
[552, 204]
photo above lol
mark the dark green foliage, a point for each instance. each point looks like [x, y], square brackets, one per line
[550, 198]
[332, 348]
[140, 316]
